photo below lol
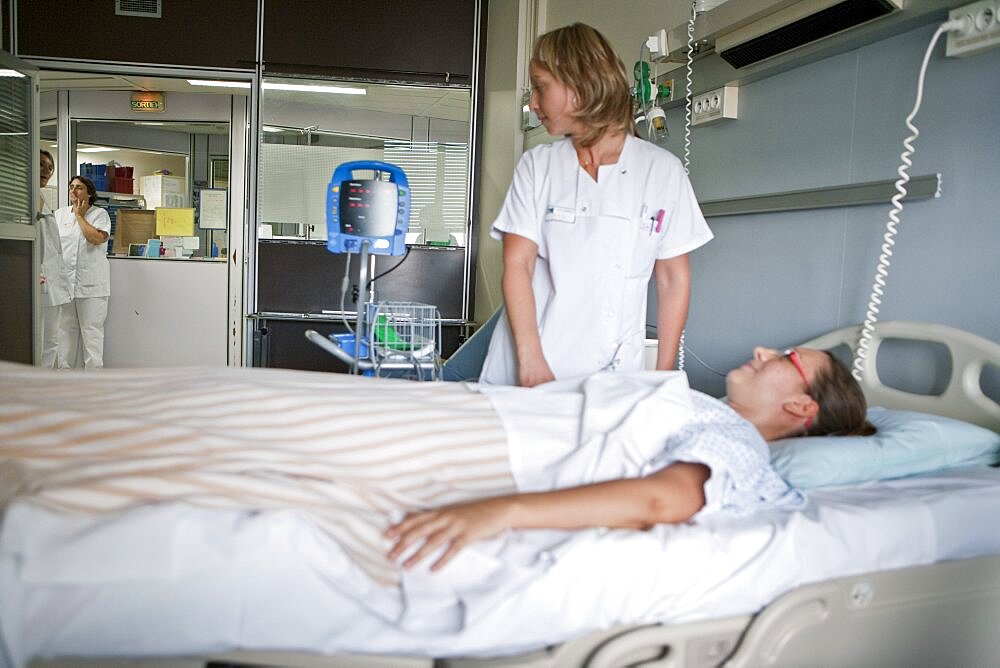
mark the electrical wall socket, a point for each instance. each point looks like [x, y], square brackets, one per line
[714, 105]
[983, 32]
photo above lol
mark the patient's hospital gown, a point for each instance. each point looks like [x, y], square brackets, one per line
[610, 426]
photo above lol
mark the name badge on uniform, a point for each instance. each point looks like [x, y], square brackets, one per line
[560, 214]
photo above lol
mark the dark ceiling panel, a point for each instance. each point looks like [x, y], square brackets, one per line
[418, 40]
[221, 33]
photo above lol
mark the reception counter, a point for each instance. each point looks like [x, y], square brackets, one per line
[166, 312]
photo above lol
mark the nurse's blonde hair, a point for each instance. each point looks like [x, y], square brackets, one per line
[581, 59]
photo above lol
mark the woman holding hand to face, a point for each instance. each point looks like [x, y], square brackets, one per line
[84, 230]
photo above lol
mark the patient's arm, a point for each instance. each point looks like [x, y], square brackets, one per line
[673, 494]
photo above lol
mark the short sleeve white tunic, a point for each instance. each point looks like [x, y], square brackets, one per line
[87, 264]
[597, 243]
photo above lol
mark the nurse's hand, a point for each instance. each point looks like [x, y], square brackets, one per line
[534, 372]
[454, 526]
[80, 207]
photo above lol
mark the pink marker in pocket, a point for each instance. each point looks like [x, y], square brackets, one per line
[659, 220]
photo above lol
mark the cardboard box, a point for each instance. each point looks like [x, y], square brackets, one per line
[133, 227]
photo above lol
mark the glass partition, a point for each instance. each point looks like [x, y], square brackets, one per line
[310, 127]
[139, 167]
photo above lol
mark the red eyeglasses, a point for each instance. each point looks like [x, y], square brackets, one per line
[793, 357]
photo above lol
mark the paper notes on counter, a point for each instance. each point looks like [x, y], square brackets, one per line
[174, 222]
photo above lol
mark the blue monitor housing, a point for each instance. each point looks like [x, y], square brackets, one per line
[367, 209]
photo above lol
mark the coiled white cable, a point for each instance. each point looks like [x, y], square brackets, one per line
[687, 96]
[687, 136]
[889, 239]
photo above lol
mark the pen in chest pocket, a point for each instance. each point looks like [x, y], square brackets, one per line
[656, 222]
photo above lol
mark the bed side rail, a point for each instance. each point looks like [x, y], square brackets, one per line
[941, 614]
[962, 398]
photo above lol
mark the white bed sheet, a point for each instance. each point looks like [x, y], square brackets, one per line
[178, 580]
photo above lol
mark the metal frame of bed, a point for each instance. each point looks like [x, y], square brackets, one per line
[940, 614]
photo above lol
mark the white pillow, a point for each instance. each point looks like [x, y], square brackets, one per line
[907, 443]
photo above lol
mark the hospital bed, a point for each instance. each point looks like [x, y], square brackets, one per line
[898, 572]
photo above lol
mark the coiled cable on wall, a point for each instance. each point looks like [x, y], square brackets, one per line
[889, 238]
[687, 136]
[687, 97]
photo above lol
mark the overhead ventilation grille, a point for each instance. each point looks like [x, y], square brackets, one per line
[823, 23]
[148, 8]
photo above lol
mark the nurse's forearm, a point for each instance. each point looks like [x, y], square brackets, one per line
[521, 311]
[673, 294]
[519, 257]
[90, 233]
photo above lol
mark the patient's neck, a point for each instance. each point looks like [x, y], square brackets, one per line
[771, 427]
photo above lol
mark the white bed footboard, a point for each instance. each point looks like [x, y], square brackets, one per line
[962, 399]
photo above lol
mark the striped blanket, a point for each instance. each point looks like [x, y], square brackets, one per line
[353, 453]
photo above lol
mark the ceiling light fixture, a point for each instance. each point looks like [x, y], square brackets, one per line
[310, 88]
[11, 73]
[219, 84]
[302, 88]
[95, 149]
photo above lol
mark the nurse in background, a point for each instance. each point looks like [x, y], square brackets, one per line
[84, 230]
[55, 281]
[586, 222]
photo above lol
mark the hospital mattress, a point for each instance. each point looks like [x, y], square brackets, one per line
[176, 580]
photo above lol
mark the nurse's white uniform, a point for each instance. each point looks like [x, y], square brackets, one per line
[597, 243]
[56, 288]
[81, 321]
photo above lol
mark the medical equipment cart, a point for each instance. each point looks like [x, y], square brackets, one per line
[371, 216]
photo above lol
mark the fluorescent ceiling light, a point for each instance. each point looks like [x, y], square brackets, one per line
[306, 88]
[95, 149]
[219, 84]
[271, 128]
[309, 88]
[11, 73]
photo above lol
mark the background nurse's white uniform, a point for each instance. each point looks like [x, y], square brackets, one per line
[81, 321]
[597, 243]
[56, 288]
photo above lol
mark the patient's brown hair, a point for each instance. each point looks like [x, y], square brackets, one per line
[843, 410]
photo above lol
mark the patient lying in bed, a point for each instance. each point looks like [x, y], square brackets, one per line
[468, 463]
[670, 453]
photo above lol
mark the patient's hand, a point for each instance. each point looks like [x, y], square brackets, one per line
[456, 526]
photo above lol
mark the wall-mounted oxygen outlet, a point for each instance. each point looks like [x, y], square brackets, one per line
[982, 31]
[714, 105]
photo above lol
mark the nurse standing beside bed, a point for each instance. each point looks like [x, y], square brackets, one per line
[587, 220]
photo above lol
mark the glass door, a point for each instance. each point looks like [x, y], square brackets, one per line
[19, 191]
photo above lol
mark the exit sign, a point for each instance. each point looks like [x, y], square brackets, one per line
[147, 101]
